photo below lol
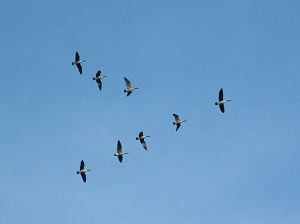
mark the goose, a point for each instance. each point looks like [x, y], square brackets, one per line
[142, 139]
[178, 121]
[78, 62]
[129, 88]
[221, 101]
[119, 153]
[82, 171]
[98, 79]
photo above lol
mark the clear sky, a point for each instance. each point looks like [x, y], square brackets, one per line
[238, 167]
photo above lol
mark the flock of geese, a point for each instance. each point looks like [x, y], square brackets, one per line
[129, 89]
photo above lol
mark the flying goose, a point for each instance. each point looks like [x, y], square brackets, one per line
[221, 101]
[78, 62]
[82, 171]
[178, 121]
[119, 153]
[129, 88]
[142, 139]
[98, 79]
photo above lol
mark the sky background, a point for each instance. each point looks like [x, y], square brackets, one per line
[238, 167]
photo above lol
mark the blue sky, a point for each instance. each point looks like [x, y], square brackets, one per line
[237, 167]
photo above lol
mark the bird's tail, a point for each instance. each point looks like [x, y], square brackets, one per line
[77, 172]
[124, 90]
[73, 63]
[137, 138]
[94, 78]
[174, 123]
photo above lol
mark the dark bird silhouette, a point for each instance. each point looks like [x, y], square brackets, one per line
[221, 101]
[142, 139]
[78, 62]
[119, 153]
[82, 171]
[178, 121]
[98, 79]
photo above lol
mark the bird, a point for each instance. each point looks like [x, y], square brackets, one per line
[82, 171]
[78, 62]
[178, 121]
[129, 88]
[119, 153]
[142, 139]
[98, 79]
[221, 101]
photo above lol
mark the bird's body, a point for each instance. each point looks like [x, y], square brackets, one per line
[120, 153]
[142, 139]
[178, 122]
[129, 89]
[78, 62]
[82, 171]
[98, 79]
[221, 101]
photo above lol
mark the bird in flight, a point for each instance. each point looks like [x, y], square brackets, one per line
[129, 89]
[98, 79]
[221, 101]
[178, 121]
[78, 62]
[142, 139]
[119, 153]
[82, 171]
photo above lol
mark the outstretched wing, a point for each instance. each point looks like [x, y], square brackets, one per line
[77, 57]
[98, 73]
[143, 143]
[222, 108]
[79, 68]
[178, 126]
[81, 165]
[128, 93]
[99, 84]
[176, 117]
[119, 147]
[220, 95]
[83, 177]
[120, 157]
[128, 84]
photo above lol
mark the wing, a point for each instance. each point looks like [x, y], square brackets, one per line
[98, 73]
[81, 165]
[220, 95]
[128, 84]
[120, 157]
[77, 57]
[79, 68]
[99, 84]
[176, 117]
[119, 147]
[222, 108]
[141, 134]
[83, 177]
[143, 143]
[128, 93]
[178, 126]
